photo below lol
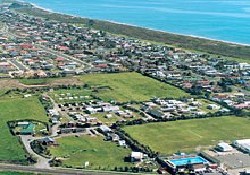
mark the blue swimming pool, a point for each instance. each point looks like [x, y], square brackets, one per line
[184, 161]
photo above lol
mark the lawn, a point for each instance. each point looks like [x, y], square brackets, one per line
[101, 117]
[16, 109]
[205, 104]
[101, 154]
[45, 81]
[188, 135]
[37, 81]
[131, 86]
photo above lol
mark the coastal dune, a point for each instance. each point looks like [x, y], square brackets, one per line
[234, 50]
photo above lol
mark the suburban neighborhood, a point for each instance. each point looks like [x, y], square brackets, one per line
[105, 102]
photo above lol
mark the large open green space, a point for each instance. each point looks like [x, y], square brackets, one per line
[101, 154]
[188, 135]
[131, 86]
[123, 86]
[16, 109]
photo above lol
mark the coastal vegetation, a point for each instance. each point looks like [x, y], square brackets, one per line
[193, 135]
[241, 52]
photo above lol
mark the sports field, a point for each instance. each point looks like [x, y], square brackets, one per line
[12, 109]
[189, 135]
[101, 154]
[131, 86]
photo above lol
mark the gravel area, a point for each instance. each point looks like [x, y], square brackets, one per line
[234, 161]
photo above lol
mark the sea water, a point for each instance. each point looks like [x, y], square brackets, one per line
[227, 20]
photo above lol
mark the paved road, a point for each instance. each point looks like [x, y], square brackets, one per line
[68, 57]
[56, 171]
[86, 66]
[54, 130]
[19, 65]
[56, 107]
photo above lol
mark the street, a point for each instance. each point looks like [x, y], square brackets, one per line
[56, 171]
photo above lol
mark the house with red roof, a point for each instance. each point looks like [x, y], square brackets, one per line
[5, 67]
[63, 48]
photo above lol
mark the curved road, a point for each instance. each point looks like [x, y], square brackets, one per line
[41, 161]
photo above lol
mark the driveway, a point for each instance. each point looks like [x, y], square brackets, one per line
[41, 161]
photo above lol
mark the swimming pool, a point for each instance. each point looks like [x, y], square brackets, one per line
[184, 161]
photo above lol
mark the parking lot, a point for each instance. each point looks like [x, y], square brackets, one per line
[235, 161]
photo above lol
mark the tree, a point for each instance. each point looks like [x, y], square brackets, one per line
[91, 23]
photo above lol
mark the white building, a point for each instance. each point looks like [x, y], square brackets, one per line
[244, 66]
[213, 107]
[243, 144]
[245, 147]
[224, 147]
[136, 156]
[105, 129]
[110, 108]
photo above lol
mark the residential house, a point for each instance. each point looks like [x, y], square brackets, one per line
[5, 67]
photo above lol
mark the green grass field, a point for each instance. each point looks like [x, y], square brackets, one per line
[124, 87]
[186, 136]
[15, 109]
[204, 105]
[15, 173]
[45, 81]
[101, 154]
[101, 117]
[34, 81]
[131, 86]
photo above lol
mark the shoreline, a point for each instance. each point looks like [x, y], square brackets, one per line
[36, 6]
[156, 30]
[231, 50]
[133, 25]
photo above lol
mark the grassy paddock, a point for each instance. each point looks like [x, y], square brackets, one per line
[131, 86]
[101, 154]
[188, 135]
[17, 109]
[33, 81]
[69, 80]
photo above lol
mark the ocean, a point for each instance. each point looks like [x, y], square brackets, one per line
[227, 20]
